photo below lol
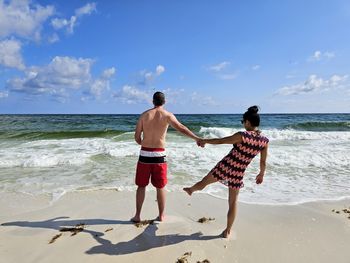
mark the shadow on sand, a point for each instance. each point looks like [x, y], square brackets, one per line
[144, 241]
[57, 223]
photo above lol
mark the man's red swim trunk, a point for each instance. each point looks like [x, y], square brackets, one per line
[151, 164]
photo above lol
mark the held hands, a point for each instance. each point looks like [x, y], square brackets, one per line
[259, 178]
[200, 142]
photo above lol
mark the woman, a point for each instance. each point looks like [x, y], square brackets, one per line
[230, 170]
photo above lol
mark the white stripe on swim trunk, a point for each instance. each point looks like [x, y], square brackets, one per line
[152, 154]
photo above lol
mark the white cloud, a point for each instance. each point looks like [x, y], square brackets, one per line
[174, 96]
[132, 95]
[69, 24]
[10, 54]
[98, 86]
[4, 94]
[108, 73]
[22, 18]
[101, 84]
[61, 74]
[313, 84]
[54, 38]
[256, 67]
[228, 76]
[202, 100]
[149, 76]
[221, 71]
[219, 67]
[59, 23]
[159, 70]
[329, 54]
[318, 55]
[86, 9]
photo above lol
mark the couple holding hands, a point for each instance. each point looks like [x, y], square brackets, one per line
[150, 133]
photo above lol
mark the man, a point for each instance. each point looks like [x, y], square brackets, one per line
[153, 125]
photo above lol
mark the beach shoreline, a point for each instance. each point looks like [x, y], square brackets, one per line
[308, 232]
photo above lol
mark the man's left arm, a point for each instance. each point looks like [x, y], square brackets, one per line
[181, 128]
[138, 131]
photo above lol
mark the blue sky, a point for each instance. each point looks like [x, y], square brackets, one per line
[207, 56]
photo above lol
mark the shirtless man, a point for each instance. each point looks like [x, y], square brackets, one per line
[153, 125]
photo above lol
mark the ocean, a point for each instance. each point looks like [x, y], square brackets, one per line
[53, 154]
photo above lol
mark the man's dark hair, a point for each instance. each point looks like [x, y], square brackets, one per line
[158, 98]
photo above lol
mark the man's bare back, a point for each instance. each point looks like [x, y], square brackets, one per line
[154, 127]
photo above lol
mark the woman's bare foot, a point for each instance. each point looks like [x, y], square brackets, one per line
[188, 190]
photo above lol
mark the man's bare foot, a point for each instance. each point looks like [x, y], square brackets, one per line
[188, 190]
[136, 219]
[225, 234]
[160, 218]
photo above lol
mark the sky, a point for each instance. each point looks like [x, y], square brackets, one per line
[109, 57]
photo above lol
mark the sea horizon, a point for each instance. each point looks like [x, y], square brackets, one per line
[266, 113]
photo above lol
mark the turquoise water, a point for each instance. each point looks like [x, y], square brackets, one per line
[52, 154]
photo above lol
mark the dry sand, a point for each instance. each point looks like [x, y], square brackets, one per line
[309, 232]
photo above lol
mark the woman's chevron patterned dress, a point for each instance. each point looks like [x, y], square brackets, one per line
[230, 170]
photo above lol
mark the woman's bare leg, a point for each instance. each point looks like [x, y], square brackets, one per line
[232, 210]
[209, 179]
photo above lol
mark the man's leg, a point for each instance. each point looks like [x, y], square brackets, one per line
[159, 181]
[209, 179]
[232, 210]
[140, 197]
[161, 202]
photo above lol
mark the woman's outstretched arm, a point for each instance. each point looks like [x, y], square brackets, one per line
[233, 139]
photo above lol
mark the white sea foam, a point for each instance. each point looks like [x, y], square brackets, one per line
[216, 132]
[325, 148]
[48, 153]
[281, 135]
[302, 166]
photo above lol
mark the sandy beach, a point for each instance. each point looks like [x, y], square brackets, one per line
[99, 99]
[309, 232]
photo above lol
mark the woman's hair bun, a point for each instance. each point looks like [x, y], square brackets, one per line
[253, 109]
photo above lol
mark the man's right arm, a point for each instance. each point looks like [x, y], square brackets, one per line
[173, 122]
[138, 131]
